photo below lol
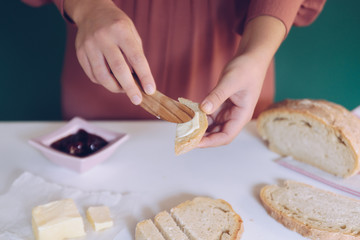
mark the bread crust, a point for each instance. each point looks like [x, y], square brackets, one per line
[189, 142]
[294, 224]
[332, 115]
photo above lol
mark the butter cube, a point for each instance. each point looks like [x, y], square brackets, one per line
[57, 220]
[99, 217]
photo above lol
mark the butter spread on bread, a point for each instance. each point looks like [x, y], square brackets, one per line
[317, 132]
[197, 219]
[312, 212]
[184, 129]
[57, 220]
[189, 134]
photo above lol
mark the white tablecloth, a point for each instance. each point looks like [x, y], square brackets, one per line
[147, 166]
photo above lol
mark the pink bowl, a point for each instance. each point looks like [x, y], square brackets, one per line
[78, 164]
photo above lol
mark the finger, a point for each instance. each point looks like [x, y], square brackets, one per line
[212, 129]
[225, 136]
[136, 58]
[84, 63]
[217, 97]
[213, 140]
[121, 70]
[225, 132]
[210, 120]
[100, 71]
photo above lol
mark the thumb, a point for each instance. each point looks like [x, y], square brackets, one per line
[216, 97]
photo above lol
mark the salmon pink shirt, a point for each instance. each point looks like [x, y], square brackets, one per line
[187, 44]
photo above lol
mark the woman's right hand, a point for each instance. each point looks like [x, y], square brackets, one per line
[108, 46]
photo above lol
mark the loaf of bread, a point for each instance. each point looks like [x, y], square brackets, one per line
[317, 132]
[198, 219]
[192, 131]
[312, 212]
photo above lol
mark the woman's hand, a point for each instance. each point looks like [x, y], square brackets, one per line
[230, 105]
[234, 100]
[108, 47]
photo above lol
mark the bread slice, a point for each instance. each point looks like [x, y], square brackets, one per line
[199, 219]
[316, 132]
[206, 218]
[146, 230]
[186, 143]
[312, 212]
[168, 227]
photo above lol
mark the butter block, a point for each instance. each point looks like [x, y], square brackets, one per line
[99, 217]
[57, 220]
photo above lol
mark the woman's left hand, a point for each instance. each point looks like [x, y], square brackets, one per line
[232, 102]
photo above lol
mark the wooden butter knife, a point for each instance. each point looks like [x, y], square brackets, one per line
[163, 107]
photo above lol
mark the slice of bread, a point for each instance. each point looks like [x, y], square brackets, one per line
[206, 218]
[186, 143]
[312, 212]
[168, 227]
[316, 132]
[146, 230]
[199, 219]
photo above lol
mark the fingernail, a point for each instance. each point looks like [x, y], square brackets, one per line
[149, 89]
[207, 106]
[136, 99]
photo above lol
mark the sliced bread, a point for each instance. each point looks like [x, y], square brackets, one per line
[312, 212]
[316, 132]
[168, 227]
[199, 219]
[206, 218]
[146, 230]
[193, 130]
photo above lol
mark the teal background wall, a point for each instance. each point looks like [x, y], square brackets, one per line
[323, 60]
[318, 61]
[31, 53]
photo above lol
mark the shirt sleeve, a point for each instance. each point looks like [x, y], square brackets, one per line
[290, 12]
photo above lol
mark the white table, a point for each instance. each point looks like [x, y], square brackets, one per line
[146, 164]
